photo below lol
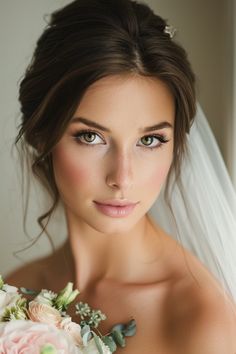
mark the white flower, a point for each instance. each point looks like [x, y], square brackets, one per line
[10, 288]
[73, 329]
[8, 297]
[45, 297]
[91, 348]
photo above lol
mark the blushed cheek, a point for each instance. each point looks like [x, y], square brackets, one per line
[76, 175]
[68, 170]
[159, 176]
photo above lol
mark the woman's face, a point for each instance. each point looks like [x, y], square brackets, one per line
[109, 151]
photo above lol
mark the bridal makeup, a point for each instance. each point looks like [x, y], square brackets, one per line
[117, 149]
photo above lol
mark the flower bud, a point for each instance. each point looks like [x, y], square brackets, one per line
[65, 297]
[1, 282]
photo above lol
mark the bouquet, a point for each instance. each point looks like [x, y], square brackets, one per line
[37, 323]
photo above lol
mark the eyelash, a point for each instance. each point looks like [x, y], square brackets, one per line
[162, 139]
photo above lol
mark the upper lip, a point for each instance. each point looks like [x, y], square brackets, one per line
[116, 202]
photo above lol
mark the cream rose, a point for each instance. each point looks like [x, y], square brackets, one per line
[39, 312]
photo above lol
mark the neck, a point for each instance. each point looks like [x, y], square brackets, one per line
[123, 257]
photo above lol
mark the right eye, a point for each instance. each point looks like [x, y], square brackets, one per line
[87, 137]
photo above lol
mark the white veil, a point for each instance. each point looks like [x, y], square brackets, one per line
[206, 221]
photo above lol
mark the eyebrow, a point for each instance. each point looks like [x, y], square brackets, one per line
[93, 124]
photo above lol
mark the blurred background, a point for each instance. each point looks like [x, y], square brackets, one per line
[206, 29]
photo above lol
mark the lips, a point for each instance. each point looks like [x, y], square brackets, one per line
[117, 209]
[116, 202]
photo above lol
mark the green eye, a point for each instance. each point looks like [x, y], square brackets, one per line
[89, 137]
[153, 141]
[147, 140]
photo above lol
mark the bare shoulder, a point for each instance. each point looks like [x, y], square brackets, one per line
[212, 328]
[30, 275]
[50, 272]
[202, 319]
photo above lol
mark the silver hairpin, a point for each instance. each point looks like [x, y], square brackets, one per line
[170, 30]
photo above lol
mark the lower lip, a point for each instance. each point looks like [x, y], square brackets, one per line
[115, 211]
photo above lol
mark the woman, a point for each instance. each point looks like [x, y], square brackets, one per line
[107, 103]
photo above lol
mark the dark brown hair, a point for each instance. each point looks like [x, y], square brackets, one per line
[82, 43]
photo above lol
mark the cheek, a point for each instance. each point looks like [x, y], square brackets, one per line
[76, 175]
[69, 169]
[158, 177]
[159, 174]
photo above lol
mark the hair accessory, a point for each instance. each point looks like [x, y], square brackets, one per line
[170, 30]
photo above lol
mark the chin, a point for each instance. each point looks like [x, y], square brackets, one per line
[113, 226]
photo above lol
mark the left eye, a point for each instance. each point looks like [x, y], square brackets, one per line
[87, 137]
[158, 140]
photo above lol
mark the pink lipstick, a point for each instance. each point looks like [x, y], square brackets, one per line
[116, 208]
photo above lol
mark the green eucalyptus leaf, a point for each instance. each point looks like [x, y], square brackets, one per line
[85, 329]
[130, 329]
[109, 341]
[86, 337]
[118, 337]
[98, 344]
[26, 291]
[118, 327]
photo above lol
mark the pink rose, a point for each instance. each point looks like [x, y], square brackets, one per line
[39, 312]
[27, 337]
[73, 329]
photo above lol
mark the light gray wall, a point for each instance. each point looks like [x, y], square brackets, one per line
[21, 23]
[233, 147]
[204, 28]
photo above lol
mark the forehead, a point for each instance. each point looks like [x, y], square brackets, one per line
[130, 99]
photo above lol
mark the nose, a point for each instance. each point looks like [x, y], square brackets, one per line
[120, 172]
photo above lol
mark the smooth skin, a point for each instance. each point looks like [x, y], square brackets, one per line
[129, 267]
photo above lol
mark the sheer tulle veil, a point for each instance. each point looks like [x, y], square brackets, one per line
[204, 208]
